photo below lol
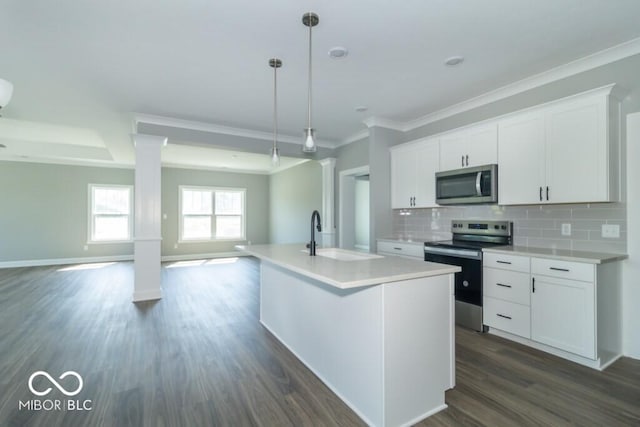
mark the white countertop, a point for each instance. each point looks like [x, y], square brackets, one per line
[559, 254]
[346, 274]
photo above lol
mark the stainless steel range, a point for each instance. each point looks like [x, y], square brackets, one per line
[465, 250]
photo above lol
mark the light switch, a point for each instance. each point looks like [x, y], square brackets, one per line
[611, 231]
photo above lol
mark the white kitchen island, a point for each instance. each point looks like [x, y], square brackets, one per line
[378, 331]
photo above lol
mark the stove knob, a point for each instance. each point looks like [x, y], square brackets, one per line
[504, 227]
[497, 227]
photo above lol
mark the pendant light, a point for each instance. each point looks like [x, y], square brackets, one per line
[275, 63]
[310, 20]
[6, 90]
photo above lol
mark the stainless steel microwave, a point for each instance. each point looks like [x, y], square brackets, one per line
[467, 186]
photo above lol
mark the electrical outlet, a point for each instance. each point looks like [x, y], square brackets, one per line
[566, 229]
[175, 246]
[611, 231]
[86, 247]
[164, 216]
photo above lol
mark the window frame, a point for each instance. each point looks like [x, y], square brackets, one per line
[91, 215]
[213, 190]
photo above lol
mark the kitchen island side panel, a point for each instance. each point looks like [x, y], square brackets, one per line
[337, 333]
[419, 354]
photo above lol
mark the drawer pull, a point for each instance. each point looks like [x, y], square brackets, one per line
[503, 262]
[397, 249]
[503, 316]
[503, 285]
[559, 269]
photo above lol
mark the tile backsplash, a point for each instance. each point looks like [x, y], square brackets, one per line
[534, 226]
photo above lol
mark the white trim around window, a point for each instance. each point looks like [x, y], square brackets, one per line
[110, 214]
[211, 214]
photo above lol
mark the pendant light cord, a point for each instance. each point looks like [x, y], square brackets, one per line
[275, 107]
[310, 28]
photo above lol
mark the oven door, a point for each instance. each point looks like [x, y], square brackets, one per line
[467, 186]
[468, 282]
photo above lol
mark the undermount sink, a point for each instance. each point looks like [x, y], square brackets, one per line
[344, 254]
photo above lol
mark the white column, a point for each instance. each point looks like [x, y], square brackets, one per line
[328, 197]
[148, 217]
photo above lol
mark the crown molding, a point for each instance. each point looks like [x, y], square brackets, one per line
[375, 121]
[598, 59]
[219, 129]
[354, 137]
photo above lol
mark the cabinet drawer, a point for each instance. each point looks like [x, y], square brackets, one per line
[507, 316]
[506, 262]
[506, 285]
[563, 269]
[405, 249]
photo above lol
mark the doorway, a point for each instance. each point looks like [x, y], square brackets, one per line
[354, 209]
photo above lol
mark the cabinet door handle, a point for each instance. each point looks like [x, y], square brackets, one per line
[467, 157]
[397, 249]
[540, 193]
[462, 161]
[503, 285]
[547, 193]
[503, 262]
[559, 269]
[533, 284]
[503, 316]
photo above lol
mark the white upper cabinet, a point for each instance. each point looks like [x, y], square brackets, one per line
[472, 146]
[403, 165]
[413, 169]
[577, 151]
[521, 159]
[562, 152]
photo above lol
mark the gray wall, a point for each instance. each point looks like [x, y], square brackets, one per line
[44, 213]
[350, 156]
[294, 194]
[380, 140]
[362, 211]
[257, 209]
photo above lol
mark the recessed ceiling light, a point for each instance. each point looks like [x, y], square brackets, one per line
[361, 109]
[453, 61]
[338, 52]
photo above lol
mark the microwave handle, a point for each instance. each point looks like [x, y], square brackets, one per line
[479, 184]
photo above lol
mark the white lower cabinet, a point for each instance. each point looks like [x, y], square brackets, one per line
[563, 314]
[403, 249]
[506, 294]
[507, 316]
[570, 309]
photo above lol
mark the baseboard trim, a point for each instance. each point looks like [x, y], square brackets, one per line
[64, 261]
[112, 258]
[190, 257]
[141, 296]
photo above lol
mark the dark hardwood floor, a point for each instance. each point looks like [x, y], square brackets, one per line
[199, 357]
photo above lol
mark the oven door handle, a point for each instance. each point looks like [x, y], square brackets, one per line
[479, 184]
[463, 253]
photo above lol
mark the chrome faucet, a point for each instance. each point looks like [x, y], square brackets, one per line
[312, 243]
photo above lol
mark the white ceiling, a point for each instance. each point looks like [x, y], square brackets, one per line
[91, 64]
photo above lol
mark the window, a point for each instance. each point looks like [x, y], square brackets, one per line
[212, 213]
[110, 213]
